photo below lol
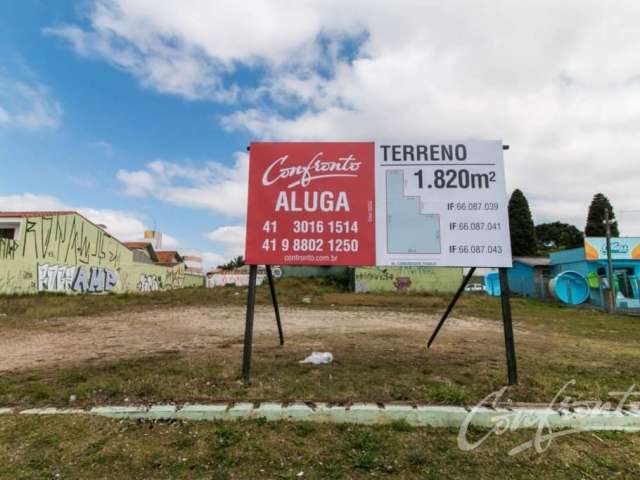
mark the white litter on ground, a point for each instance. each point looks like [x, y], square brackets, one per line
[318, 358]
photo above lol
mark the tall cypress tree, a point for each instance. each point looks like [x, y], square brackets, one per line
[595, 219]
[523, 233]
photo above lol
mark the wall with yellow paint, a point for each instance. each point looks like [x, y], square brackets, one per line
[67, 253]
[408, 279]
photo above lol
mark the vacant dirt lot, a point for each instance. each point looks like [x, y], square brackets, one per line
[69, 341]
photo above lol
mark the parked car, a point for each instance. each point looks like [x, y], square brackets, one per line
[474, 287]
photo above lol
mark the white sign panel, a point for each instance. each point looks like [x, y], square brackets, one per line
[441, 204]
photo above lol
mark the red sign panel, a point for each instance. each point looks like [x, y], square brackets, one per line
[311, 204]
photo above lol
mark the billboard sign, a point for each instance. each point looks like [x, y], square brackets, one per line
[311, 204]
[441, 204]
[384, 203]
[622, 248]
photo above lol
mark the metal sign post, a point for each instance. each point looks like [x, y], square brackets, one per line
[452, 304]
[248, 327]
[507, 323]
[274, 299]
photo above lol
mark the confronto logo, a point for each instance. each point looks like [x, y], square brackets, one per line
[317, 168]
[596, 248]
[618, 247]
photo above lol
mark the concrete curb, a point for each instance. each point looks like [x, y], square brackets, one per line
[368, 414]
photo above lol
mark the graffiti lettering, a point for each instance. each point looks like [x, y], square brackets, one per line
[8, 249]
[237, 279]
[149, 283]
[69, 239]
[174, 279]
[152, 283]
[62, 278]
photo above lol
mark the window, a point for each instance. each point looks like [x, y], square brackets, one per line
[10, 229]
[9, 233]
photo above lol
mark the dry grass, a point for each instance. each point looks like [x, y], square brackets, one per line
[370, 365]
[86, 447]
[554, 345]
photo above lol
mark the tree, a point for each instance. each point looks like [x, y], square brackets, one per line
[558, 236]
[234, 263]
[595, 219]
[523, 234]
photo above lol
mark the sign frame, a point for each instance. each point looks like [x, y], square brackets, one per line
[378, 204]
[507, 321]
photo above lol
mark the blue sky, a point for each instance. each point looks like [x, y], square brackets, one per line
[138, 112]
[107, 122]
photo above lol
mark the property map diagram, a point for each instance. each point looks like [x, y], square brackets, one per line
[409, 229]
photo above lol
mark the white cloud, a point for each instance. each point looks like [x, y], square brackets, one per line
[213, 186]
[193, 48]
[230, 238]
[30, 202]
[123, 225]
[27, 105]
[106, 147]
[84, 182]
[4, 116]
[157, 63]
[169, 242]
[559, 81]
[228, 235]
[137, 183]
[212, 259]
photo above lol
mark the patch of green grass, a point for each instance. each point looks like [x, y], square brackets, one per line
[401, 426]
[46, 440]
[416, 458]
[226, 435]
[364, 450]
[304, 429]
[93, 447]
[448, 393]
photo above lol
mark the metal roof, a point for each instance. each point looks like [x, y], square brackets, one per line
[533, 261]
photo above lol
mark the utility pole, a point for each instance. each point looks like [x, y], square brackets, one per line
[612, 290]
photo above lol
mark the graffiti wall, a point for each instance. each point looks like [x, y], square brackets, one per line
[408, 279]
[76, 279]
[237, 279]
[66, 253]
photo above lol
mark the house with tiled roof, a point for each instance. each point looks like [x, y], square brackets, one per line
[142, 251]
[168, 257]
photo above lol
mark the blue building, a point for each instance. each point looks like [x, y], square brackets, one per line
[531, 276]
[591, 262]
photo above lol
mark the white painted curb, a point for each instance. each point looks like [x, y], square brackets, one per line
[368, 414]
